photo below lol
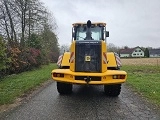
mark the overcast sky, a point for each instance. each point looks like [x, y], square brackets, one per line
[130, 22]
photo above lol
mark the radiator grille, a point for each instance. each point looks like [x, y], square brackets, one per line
[88, 48]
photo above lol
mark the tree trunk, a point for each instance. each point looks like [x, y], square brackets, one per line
[13, 33]
[6, 28]
[24, 5]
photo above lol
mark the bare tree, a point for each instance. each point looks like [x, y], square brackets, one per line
[4, 24]
[112, 48]
[64, 48]
[27, 27]
[13, 33]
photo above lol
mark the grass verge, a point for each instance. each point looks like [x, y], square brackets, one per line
[14, 86]
[145, 80]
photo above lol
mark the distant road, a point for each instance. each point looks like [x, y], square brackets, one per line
[86, 103]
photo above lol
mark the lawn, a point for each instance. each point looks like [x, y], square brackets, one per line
[145, 79]
[16, 85]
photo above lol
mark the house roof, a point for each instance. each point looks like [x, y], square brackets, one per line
[128, 50]
[154, 51]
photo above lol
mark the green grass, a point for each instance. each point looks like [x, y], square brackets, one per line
[145, 80]
[14, 86]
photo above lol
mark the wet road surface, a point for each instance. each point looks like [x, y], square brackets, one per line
[86, 103]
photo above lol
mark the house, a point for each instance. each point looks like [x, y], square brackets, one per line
[131, 52]
[154, 52]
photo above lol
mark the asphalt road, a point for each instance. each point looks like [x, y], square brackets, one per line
[86, 103]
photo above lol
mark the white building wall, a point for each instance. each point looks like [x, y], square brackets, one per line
[138, 53]
[155, 55]
[124, 55]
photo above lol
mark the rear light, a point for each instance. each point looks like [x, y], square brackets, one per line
[122, 76]
[58, 75]
[118, 76]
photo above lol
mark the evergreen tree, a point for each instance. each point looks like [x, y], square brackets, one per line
[146, 53]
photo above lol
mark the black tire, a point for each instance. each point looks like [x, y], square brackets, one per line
[112, 90]
[64, 88]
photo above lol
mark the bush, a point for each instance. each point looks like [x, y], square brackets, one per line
[25, 59]
[4, 60]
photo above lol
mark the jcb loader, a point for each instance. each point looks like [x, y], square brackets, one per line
[88, 62]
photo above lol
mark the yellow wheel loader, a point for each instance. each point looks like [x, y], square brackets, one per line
[88, 62]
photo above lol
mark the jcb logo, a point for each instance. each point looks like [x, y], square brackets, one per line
[87, 58]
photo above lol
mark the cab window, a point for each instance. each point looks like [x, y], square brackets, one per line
[96, 33]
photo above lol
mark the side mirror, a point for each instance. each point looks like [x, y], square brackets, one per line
[107, 33]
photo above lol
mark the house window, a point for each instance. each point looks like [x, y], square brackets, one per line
[135, 50]
[137, 54]
[134, 54]
[139, 50]
[141, 53]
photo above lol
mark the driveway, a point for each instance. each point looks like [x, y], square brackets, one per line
[86, 103]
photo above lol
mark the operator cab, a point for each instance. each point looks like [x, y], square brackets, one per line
[89, 31]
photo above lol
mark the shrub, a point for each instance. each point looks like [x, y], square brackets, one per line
[4, 60]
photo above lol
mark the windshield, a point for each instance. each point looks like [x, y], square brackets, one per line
[96, 33]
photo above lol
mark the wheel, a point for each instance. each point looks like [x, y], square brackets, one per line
[64, 88]
[112, 90]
